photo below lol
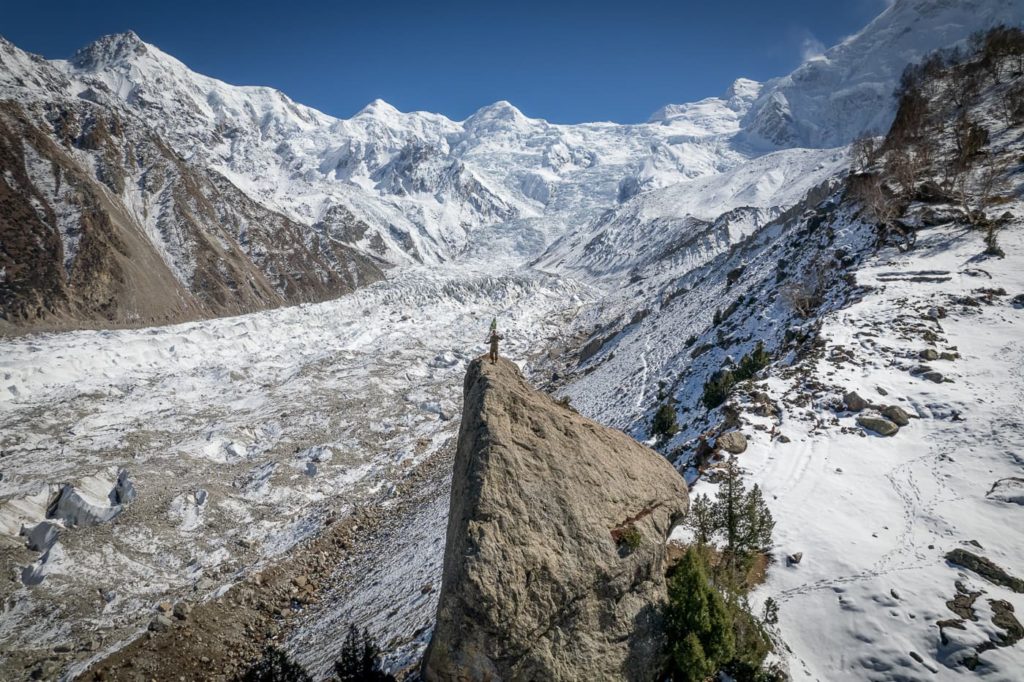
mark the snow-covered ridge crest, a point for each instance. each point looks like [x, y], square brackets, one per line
[829, 100]
[420, 187]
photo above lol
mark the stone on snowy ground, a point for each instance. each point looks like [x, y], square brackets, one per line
[1018, 301]
[160, 623]
[929, 354]
[535, 584]
[794, 558]
[878, 424]
[936, 313]
[949, 356]
[896, 414]
[1007, 490]
[182, 610]
[933, 376]
[985, 568]
[124, 490]
[783, 438]
[853, 402]
[732, 442]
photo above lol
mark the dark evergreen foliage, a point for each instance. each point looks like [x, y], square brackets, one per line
[696, 621]
[664, 424]
[360, 659]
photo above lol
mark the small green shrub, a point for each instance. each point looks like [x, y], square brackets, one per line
[664, 424]
[717, 388]
[631, 537]
[752, 363]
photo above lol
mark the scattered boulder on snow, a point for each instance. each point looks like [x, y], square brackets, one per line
[732, 442]
[933, 376]
[929, 354]
[853, 402]
[878, 424]
[794, 558]
[182, 610]
[535, 585]
[1007, 490]
[896, 415]
[985, 568]
[1017, 301]
[160, 623]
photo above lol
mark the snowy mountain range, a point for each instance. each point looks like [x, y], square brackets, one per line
[171, 168]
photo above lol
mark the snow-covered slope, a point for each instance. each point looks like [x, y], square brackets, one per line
[884, 545]
[832, 98]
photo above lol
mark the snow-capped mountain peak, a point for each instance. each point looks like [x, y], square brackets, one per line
[742, 93]
[378, 108]
[117, 48]
[501, 115]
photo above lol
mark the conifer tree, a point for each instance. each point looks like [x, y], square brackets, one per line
[359, 660]
[664, 424]
[697, 622]
[701, 519]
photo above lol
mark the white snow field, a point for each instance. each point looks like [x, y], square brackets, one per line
[874, 517]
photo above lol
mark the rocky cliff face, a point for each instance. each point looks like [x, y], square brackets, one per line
[101, 222]
[554, 562]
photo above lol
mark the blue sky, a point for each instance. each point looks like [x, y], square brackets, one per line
[564, 61]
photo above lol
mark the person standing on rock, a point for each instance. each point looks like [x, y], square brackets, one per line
[493, 340]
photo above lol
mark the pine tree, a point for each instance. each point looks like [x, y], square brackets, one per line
[701, 519]
[717, 388]
[752, 363]
[758, 522]
[359, 660]
[743, 518]
[664, 424]
[697, 622]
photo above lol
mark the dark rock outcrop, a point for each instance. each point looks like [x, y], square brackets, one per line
[554, 566]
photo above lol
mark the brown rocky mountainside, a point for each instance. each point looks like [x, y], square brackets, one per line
[101, 223]
[554, 566]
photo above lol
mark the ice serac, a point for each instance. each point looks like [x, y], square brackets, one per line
[554, 567]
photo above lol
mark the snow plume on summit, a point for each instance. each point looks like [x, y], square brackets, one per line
[847, 90]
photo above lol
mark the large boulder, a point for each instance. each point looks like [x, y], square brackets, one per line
[554, 567]
[896, 414]
[878, 424]
[732, 442]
